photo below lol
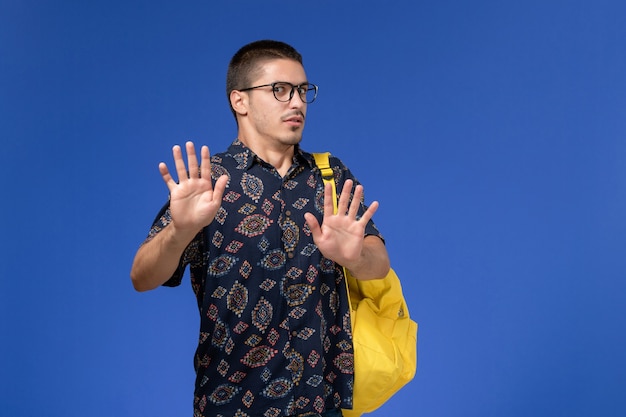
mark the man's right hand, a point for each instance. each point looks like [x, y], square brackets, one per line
[193, 205]
[193, 200]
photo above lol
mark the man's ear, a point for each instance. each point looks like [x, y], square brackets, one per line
[239, 102]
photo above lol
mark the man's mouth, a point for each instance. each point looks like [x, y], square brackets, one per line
[294, 119]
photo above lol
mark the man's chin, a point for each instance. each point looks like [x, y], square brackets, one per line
[292, 140]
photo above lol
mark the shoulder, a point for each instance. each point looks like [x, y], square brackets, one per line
[334, 161]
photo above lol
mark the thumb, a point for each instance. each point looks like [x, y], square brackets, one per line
[313, 224]
[220, 187]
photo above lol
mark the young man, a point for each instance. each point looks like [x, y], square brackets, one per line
[256, 226]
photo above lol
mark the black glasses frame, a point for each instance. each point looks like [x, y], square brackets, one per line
[301, 92]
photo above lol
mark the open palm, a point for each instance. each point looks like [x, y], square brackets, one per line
[340, 236]
[194, 201]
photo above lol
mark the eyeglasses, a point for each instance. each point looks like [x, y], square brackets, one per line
[283, 91]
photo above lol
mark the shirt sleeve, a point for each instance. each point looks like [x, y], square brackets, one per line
[189, 256]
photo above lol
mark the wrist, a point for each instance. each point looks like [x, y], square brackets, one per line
[179, 238]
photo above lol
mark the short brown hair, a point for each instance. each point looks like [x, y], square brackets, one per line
[246, 62]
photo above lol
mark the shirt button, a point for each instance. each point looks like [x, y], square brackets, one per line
[294, 333]
[288, 213]
[290, 255]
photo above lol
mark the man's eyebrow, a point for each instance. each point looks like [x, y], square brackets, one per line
[287, 82]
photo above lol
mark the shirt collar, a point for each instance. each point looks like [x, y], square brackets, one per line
[247, 158]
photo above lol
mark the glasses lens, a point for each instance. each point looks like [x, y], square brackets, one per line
[308, 92]
[282, 91]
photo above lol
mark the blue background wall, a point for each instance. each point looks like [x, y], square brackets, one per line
[492, 133]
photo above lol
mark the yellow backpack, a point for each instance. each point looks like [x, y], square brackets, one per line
[383, 334]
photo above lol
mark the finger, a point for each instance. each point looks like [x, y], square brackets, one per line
[369, 213]
[344, 198]
[205, 165]
[313, 224]
[329, 204]
[192, 160]
[355, 204]
[165, 174]
[181, 170]
[220, 187]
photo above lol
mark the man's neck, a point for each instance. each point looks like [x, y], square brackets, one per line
[279, 156]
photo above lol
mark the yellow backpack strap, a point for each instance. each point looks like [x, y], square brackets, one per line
[323, 163]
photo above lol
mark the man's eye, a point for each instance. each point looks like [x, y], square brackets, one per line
[279, 88]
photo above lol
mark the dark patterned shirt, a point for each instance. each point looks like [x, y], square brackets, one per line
[275, 334]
